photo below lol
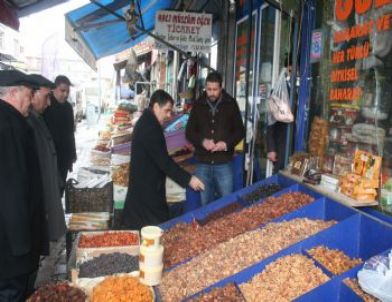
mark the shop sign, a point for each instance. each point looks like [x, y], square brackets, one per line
[316, 46]
[187, 31]
[356, 43]
[74, 39]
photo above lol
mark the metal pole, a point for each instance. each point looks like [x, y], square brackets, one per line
[151, 34]
[248, 55]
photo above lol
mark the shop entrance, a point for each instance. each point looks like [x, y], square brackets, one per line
[272, 48]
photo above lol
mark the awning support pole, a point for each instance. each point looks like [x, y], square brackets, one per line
[185, 54]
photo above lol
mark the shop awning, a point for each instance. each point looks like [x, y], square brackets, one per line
[94, 32]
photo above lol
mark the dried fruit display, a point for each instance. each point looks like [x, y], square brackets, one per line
[230, 257]
[108, 239]
[59, 292]
[108, 264]
[284, 280]
[121, 289]
[229, 293]
[261, 192]
[231, 208]
[120, 175]
[354, 285]
[335, 261]
[194, 240]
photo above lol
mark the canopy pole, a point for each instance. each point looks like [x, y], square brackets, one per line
[153, 35]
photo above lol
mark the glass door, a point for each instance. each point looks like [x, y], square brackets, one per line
[273, 53]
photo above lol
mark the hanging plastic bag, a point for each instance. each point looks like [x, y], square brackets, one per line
[278, 102]
[375, 277]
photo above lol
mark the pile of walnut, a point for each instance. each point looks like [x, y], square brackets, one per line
[284, 280]
[335, 261]
[229, 293]
[229, 258]
[186, 242]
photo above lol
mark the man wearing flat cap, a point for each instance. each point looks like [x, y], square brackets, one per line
[23, 226]
[47, 158]
[60, 120]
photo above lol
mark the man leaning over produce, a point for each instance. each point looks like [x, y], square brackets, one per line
[23, 229]
[145, 203]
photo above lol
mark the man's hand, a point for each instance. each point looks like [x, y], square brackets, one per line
[272, 156]
[220, 146]
[208, 144]
[196, 184]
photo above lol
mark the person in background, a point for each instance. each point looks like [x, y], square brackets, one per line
[145, 203]
[23, 225]
[276, 133]
[59, 118]
[214, 128]
[47, 158]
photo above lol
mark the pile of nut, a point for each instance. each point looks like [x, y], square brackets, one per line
[108, 239]
[108, 264]
[228, 258]
[354, 285]
[335, 261]
[230, 208]
[284, 280]
[59, 292]
[120, 289]
[195, 240]
[229, 293]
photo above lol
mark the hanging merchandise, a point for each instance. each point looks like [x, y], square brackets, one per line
[278, 102]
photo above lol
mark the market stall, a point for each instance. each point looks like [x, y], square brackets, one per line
[241, 245]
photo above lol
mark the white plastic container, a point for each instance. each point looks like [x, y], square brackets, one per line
[151, 236]
[150, 275]
[151, 256]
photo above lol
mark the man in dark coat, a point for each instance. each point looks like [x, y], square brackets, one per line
[60, 120]
[214, 128]
[47, 158]
[150, 164]
[23, 227]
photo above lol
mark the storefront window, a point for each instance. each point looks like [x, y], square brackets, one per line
[352, 82]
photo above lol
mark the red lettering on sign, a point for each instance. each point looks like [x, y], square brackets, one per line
[343, 9]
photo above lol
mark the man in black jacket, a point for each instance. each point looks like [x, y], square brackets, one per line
[59, 117]
[145, 203]
[214, 128]
[23, 227]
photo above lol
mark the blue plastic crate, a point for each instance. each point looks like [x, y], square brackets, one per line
[377, 214]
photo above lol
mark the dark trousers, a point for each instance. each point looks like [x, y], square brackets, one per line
[15, 289]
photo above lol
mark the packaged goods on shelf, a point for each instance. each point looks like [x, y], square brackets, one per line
[318, 137]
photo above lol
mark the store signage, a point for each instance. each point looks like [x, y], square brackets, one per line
[74, 39]
[187, 31]
[344, 8]
[354, 43]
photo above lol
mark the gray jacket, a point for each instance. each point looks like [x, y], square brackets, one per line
[50, 175]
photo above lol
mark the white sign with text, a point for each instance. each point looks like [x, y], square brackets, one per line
[187, 31]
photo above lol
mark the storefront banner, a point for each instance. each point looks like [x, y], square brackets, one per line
[187, 31]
